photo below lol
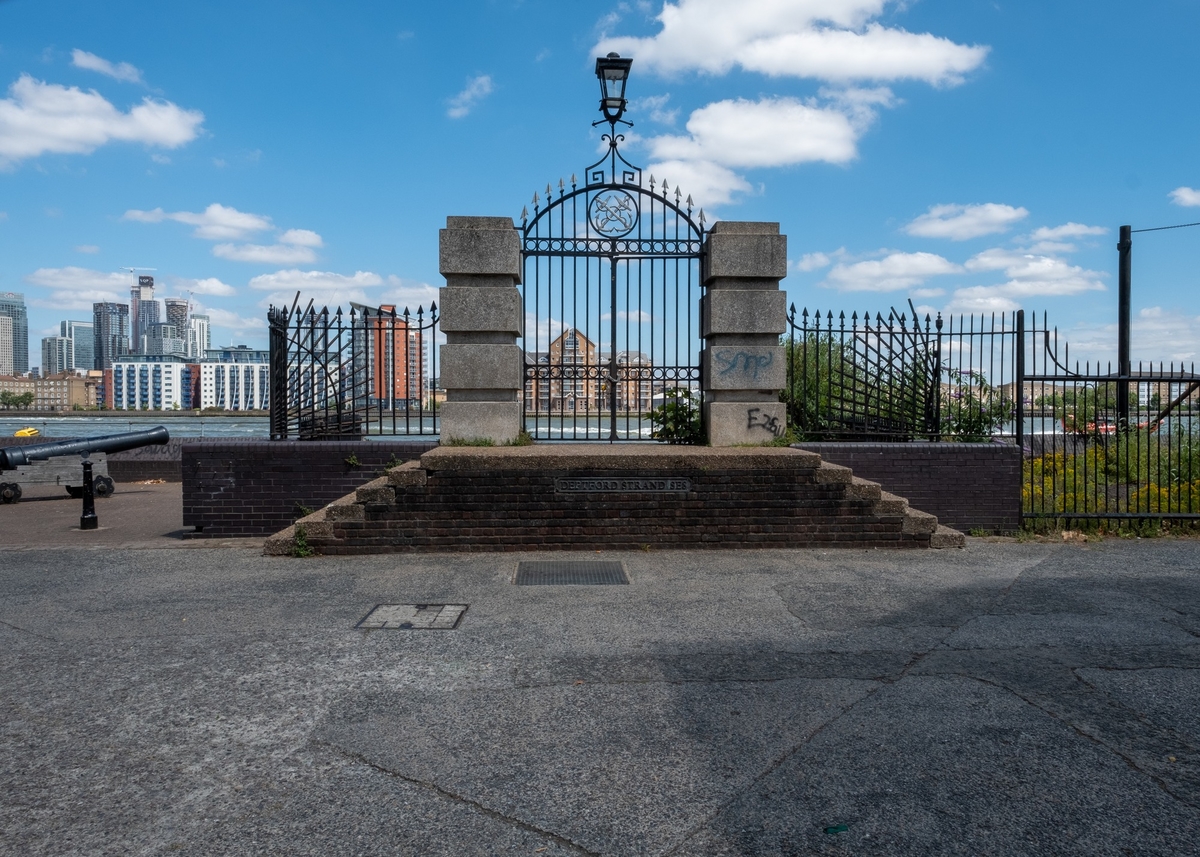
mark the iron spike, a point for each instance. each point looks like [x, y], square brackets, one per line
[652, 182]
[433, 306]
[678, 194]
[793, 308]
[702, 217]
[572, 180]
[524, 213]
[689, 202]
[664, 188]
[535, 200]
[406, 312]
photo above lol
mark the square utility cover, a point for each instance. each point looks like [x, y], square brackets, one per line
[414, 617]
[570, 573]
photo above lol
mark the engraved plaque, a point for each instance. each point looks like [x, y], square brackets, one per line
[622, 485]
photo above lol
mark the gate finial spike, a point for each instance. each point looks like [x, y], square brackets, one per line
[535, 200]
[702, 217]
[678, 193]
[549, 190]
[689, 202]
[652, 182]
[572, 180]
[665, 188]
[561, 185]
[524, 214]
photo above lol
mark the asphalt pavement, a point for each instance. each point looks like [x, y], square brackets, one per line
[1004, 699]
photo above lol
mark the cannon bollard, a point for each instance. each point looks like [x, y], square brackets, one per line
[88, 520]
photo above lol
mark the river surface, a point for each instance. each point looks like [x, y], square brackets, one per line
[259, 426]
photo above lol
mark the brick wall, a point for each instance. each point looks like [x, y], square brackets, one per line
[257, 487]
[967, 485]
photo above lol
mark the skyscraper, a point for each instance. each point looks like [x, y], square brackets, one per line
[199, 339]
[12, 305]
[110, 333]
[58, 355]
[82, 334]
[143, 311]
[177, 312]
[6, 349]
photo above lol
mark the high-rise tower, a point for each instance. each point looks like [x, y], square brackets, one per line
[12, 305]
[110, 333]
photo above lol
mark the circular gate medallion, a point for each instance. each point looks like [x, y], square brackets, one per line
[613, 213]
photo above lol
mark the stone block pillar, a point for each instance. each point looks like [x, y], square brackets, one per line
[743, 313]
[482, 368]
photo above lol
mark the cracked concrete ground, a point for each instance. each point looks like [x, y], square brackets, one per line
[1006, 699]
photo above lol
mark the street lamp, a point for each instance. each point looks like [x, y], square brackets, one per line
[613, 72]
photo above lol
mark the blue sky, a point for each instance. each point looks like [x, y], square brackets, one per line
[972, 155]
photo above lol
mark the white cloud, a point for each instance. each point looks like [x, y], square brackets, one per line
[961, 222]
[1185, 196]
[230, 320]
[301, 238]
[834, 40]
[1030, 275]
[655, 106]
[87, 248]
[266, 254]
[42, 117]
[409, 294]
[207, 286]
[216, 223]
[324, 288]
[295, 247]
[770, 132]
[811, 262]
[1067, 230]
[120, 71]
[892, 273]
[78, 288]
[476, 90]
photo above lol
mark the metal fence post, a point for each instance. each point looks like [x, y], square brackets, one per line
[1124, 322]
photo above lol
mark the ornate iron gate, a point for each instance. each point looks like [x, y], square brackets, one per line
[611, 291]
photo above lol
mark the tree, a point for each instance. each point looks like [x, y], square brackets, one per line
[973, 410]
[677, 419]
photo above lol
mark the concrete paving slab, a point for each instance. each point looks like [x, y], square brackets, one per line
[214, 701]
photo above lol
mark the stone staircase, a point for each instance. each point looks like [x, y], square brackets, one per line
[603, 497]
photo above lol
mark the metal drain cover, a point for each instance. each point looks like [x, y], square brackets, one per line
[414, 617]
[570, 573]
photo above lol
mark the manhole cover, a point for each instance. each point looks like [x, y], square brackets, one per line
[414, 617]
[568, 573]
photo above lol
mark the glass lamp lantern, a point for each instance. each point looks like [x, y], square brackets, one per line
[613, 72]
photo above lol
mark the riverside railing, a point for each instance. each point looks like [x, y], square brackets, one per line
[337, 374]
[1097, 444]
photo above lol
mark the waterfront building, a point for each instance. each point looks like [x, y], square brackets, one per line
[6, 345]
[162, 384]
[237, 354]
[110, 329]
[12, 306]
[60, 392]
[58, 355]
[235, 386]
[82, 335]
[395, 357]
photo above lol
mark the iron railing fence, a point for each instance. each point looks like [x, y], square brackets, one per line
[901, 377]
[1097, 444]
[337, 374]
[1103, 445]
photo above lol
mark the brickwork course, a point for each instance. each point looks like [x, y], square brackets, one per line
[255, 488]
[968, 486]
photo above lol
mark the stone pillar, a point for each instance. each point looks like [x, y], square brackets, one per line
[481, 365]
[743, 313]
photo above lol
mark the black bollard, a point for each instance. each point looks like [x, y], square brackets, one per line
[88, 520]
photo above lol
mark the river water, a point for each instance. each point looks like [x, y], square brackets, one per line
[89, 426]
